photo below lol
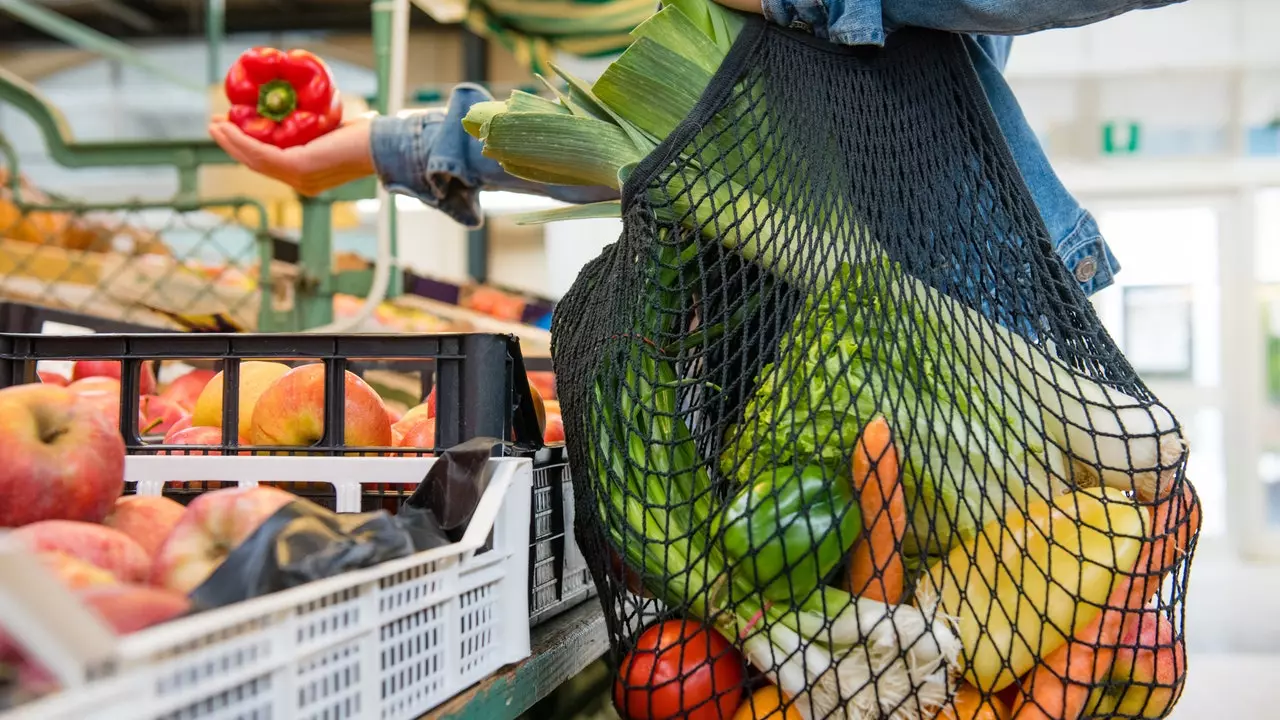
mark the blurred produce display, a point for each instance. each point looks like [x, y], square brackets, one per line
[133, 262]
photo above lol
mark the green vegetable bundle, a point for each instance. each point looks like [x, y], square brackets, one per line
[721, 362]
[999, 420]
[986, 420]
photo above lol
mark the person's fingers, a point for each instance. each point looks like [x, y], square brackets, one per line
[227, 142]
[258, 156]
[254, 153]
[221, 118]
[328, 161]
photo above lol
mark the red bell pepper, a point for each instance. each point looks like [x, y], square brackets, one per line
[282, 98]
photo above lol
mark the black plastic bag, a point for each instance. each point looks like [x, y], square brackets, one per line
[303, 542]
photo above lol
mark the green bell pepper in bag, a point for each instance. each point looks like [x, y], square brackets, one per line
[782, 535]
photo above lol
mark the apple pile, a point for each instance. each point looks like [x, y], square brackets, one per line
[137, 567]
[131, 559]
[99, 382]
[134, 559]
[278, 406]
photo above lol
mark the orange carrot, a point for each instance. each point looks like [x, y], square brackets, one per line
[1058, 688]
[878, 554]
[1176, 520]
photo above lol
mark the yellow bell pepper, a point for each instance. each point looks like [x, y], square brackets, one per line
[1027, 582]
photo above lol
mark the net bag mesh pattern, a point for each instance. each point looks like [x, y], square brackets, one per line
[840, 421]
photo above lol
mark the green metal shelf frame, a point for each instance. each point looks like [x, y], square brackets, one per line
[316, 284]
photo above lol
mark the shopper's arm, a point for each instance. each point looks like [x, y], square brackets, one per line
[426, 155]
[861, 22]
[430, 157]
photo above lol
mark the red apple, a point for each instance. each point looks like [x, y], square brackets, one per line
[49, 377]
[291, 411]
[197, 436]
[214, 525]
[111, 369]
[420, 435]
[544, 382]
[393, 415]
[104, 394]
[555, 428]
[62, 460]
[186, 389]
[100, 545]
[124, 608]
[148, 519]
[182, 423]
[95, 385]
[75, 574]
[159, 414]
[130, 608]
[411, 418]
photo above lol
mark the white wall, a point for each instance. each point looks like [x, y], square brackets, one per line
[1203, 34]
[1200, 78]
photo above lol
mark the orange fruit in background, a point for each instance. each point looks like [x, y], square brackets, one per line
[767, 703]
[968, 704]
[539, 408]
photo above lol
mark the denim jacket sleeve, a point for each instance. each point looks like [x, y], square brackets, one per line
[429, 156]
[987, 23]
[865, 22]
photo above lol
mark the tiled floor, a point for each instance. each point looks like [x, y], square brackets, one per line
[1230, 687]
[1233, 639]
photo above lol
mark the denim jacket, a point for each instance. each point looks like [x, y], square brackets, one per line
[430, 157]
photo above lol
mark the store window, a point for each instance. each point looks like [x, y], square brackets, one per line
[1164, 312]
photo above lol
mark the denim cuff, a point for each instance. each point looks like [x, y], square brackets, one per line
[846, 22]
[429, 156]
[432, 158]
[1087, 256]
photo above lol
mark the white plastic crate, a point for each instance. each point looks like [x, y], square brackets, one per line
[392, 641]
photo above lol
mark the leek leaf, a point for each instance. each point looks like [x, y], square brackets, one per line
[652, 86]
[589, 211]
[674, 31]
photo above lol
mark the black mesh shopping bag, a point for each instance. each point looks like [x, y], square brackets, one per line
[848, 441]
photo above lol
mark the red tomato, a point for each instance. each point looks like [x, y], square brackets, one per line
[680, 669]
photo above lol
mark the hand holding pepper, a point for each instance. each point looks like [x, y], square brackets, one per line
[334, 159]
[282, 98]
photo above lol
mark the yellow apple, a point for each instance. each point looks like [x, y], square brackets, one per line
[255, 378]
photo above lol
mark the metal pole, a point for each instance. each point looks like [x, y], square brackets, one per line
[390, 40]
[475, 68]
[314, 298]
[215, 25]
[390, 98]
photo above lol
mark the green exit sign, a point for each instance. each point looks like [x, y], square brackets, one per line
[1120, 138]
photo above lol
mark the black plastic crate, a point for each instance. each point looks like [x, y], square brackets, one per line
[480, 392]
